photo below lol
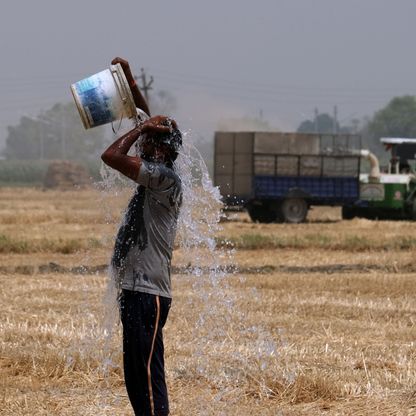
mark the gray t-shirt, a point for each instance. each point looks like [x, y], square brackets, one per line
[148, 269]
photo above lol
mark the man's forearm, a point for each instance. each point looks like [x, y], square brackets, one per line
[122, 145]
[116, 155]
[137, 95]
[139, 99]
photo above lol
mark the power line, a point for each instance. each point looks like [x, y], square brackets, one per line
[63, 81]
[275, 98]
[271, 92]
[224, 88]
[308, 94]
[240, 84]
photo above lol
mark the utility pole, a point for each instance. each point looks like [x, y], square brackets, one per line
[41, 138]
[146, 86]
[315, 122]
[63, 134]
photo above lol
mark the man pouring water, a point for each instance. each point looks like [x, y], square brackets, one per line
[142, 254]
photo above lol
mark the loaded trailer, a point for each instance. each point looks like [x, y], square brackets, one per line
[277, 176]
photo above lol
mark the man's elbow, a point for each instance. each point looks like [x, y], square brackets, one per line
[106, 158]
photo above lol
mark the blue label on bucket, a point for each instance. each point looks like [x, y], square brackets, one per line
[86, 85]
[96, 95]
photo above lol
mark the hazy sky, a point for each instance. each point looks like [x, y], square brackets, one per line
[218, 58]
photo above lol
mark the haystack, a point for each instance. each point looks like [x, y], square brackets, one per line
[65, 175]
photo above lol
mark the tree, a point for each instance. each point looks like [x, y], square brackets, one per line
[55, 134]
[323, 123]
[397, 119]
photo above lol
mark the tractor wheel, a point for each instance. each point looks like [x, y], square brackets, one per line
[262, 213]
[413, 213]
[348, 213]
[294, 210]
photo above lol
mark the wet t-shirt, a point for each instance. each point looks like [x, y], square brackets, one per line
[146, 267]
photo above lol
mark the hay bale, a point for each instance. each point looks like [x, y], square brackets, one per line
[65, 175]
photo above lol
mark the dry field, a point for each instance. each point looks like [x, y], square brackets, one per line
[317, 318]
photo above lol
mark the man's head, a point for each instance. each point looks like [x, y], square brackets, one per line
[160, 140]
[160, 147]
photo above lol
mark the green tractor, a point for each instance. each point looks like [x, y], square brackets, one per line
[392, 194]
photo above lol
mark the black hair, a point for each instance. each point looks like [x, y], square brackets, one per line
[172, 140]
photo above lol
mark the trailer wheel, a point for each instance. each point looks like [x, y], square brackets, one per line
[262, 213]
[294, 210]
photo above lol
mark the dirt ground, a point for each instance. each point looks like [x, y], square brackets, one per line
[310, 319]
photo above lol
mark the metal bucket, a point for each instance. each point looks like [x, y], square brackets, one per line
[104, 97]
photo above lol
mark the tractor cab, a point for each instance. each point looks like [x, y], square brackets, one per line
[389, 195]
[403, 154]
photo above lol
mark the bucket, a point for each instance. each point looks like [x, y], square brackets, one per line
[104, 97]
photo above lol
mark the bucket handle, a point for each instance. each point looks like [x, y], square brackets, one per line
[119, 125]
[136, 122]
[119, 83]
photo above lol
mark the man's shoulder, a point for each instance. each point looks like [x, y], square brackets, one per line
[158, 177]
[161, 170]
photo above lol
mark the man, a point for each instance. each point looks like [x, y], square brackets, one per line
[143, 249]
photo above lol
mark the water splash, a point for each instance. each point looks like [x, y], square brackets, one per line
[223, 350]
[201, 209]
[226, 351]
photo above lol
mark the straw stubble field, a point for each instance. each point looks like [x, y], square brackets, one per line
[318, 318]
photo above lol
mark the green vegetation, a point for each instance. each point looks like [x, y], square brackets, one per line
[18, 172]
[55, 134]
[315, 241]
[11, 245]
[396, 119]
[32, 172]
[323, 123]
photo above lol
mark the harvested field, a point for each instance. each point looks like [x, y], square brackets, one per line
[311, 319]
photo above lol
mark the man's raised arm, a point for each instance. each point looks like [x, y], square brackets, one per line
[116, 154]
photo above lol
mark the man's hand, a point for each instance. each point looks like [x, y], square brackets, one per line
[124, 64]
[116, 154]
[159, 124]
[126, 69]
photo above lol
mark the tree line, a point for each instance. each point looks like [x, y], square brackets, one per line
[396, 119]
[58, 133]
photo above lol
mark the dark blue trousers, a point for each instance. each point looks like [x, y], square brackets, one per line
[143, 317]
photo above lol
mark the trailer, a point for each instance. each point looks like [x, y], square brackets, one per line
[277, 176]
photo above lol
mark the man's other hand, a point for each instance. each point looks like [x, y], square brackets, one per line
[159, 124]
